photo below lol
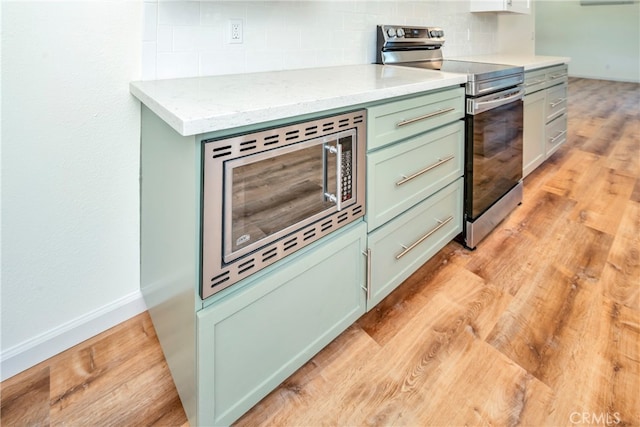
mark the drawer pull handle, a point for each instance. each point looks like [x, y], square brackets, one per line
[555, 138]
[367, 289]
[426, 116]
[533, 83]
[423, 238]
[427, 169]
[557, 102]
[557, 76]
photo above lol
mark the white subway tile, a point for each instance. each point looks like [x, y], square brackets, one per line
[177, 64]
[179, 13]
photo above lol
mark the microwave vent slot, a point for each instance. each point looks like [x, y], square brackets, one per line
[292, 135]
[328, 126]
[343, 217]
[356, 210]
[326, 225]
[220, 279]
[358, 119]
[343, 123]
[267, 255]
[271, 139]
[311, 130]
[248, 145]
[222, 151]
[291, 243]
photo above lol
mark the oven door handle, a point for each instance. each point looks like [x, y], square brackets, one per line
[475, 106]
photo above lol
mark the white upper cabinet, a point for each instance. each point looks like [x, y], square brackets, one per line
[514, 6]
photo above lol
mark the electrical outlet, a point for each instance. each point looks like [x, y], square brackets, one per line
[235, 31]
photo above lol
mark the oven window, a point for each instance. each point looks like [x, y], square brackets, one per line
[494, 155]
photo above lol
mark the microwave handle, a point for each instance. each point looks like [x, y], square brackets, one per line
[336, 198]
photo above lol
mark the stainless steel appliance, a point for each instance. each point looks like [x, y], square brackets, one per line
[270, 193]
[494, 117]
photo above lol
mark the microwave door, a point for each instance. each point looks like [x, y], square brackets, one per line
[272, 193]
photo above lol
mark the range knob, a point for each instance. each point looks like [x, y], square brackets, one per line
[400, 32]
[433, 33]
[440, 33]
[391, 32]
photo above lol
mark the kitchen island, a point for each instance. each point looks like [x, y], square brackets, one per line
[228, 350]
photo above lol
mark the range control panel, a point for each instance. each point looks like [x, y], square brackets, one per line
[399, 33]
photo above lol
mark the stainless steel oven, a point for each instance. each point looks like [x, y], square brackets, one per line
[270, 193]
[493, 161]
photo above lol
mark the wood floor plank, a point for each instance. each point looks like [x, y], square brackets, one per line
[601, 207]
[621, 276]
[25, 399]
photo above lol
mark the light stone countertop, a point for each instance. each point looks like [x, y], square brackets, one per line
[529, 62]
[204, 104]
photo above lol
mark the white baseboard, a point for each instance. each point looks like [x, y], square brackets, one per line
[35, 350]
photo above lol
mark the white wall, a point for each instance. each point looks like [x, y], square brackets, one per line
[516, 32]
[603, 41]
[190, 38]
[70, 167]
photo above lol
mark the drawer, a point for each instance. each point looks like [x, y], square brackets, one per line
[397, 120]
[557, 75]
[402, 175]
[535, 80]
[555, 134]
[401, 246]
[556, 101]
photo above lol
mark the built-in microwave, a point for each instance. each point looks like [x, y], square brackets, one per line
[270, 193]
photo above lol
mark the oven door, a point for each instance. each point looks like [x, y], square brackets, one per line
[493, 149]
[273, 193]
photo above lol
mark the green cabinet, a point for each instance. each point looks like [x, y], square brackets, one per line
[253, 339]
[230, 350]
[415, 164]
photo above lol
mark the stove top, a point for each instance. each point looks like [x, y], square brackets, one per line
[421, 47]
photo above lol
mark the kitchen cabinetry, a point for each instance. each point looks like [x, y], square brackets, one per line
[513, 6]
[226, 352]
[545, 114]
[415, 166]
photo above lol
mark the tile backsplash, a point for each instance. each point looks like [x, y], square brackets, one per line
[191, 38]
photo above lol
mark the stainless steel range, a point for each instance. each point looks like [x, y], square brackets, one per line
[494, 116]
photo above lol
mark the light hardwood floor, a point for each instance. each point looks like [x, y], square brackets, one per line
[540, 326]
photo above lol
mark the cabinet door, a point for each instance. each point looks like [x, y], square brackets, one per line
[253, 339]
[401, 246]
[533, 146]
[404, 174]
